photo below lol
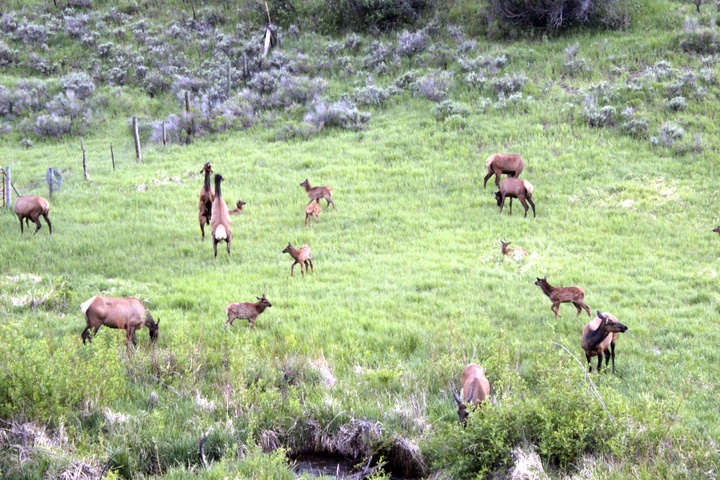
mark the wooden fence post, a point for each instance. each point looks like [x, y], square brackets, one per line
[112, 157]
[138, 153]
[82, 147]
[6, 187]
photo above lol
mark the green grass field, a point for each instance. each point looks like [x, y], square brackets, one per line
[409, 286]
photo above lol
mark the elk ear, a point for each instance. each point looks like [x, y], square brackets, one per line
[457, 399]
[157, 324]
[601, 316]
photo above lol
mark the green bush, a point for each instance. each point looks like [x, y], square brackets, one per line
[373, 15]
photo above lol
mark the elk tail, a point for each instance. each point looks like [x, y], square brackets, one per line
[220, 232]
[86, 305]
[528, 187]
[45, 205]
[489, 161]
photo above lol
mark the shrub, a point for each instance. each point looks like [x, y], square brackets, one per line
[342, 114]
[411, 43]
[676, 104]
[669, 134]
[7, 55]
[374, 15]
[78, 85]
[373, 96]
[406, 80]
[29, 33]
[476, 80]
[379, 57]
[509, 84]
[52, 126]
[636, 128]
[434, 86]
[603, 117]
[699, 39]
[449, 108]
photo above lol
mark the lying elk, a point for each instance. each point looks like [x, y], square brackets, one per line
[301, 255]
[317, 193]
[127, 314]
[598, 335]
[247, 310]
[32, 208]
[558, 295]
[516, 252]
[207, 195]
[515, 188]
[238, 208]
[499, 163]
[475, 389]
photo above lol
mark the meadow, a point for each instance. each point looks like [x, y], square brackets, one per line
[361, 357]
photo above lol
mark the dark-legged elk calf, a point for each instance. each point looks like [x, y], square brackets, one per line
[127, 314]
[558, 295]
[599, 337]
[475, 389]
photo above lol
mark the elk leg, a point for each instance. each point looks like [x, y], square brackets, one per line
[202, 229]
[227, 242]
[36, 220]
[612, 356]
[533, 206]
[524, 204]
[309, 262]
[215, 246]
[600, 357]
[555, 308]
[511, 199]
[292, 267]
[585, 307]
[487, 177]
[47, 220]
[85, 335]
[577, 306]
[589, 364]
[502, 201]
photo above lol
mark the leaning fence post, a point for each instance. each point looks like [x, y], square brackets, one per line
[138, 153]
[112, 157]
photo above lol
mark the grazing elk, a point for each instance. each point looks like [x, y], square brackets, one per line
[515, 188]
[301, 255]
[499, 163]
[312, 210]
[516, 252]
[475, 389]
[238, 208]
[599, 337]
[207, 195]
[558, 295]
[247, 310]
[317, 193]
[220, 219]
[127, 314]
[716, 229]
[31, 208]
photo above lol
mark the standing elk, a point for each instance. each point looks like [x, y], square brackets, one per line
[301, 255]
[312, 210]
[475, 389]
[317, 193]
[599, 334]
[515, 188]
[247, 310]
[31, 208]
[558, 295]
[127, 314]
[207, 195]
[499, 163]
[220, 219]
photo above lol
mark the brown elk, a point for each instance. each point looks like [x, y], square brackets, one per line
[312, 210]
[207, 195]
[516, 252]
[317, 193]
[499, 163]
[238, 208]
[220, 218]
[301, 255]
[716, 229]
[475, 389]
[515, 188]
[31, 208]
[599, 337]
[127, 314]
[247, 310]
[558, 295]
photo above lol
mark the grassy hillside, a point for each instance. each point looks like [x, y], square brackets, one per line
[361, 357]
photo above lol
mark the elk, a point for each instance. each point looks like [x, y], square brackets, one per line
[317, 193]
[499, 163]
[302, 255]
[599, 334]
[475, 389]
[220, 219]
[312, 210]
[516, 252]
[558, 295]
[207, 195]
[515, 188]
[247, 310]
[127, 314]
[716, 229]
[30, 208]
[238, 208]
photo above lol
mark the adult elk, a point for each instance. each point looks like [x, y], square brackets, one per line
[207, 195]
[499, 163]
[32, 208]
[475, 389]
[599, 337]
[220, 219]
[515, 188]
[127, 314]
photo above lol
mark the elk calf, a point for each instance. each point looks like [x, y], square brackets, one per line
[599, 334]
[516, 252]
[558, 295]
[317, 193]
[32, 208]
[312, 210]
[475, 389]
[499, 163]
[302, 255]
[238, 208]
[515, 188]
[247, 310]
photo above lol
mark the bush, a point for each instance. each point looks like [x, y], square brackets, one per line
[509, 84]
[342, 114]
[434, 86]
[603, 117]
[373, 96]
[676, 104]
[374, 15]
[52, 126]
[447, 109]
[78, 85]
[636, 128]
